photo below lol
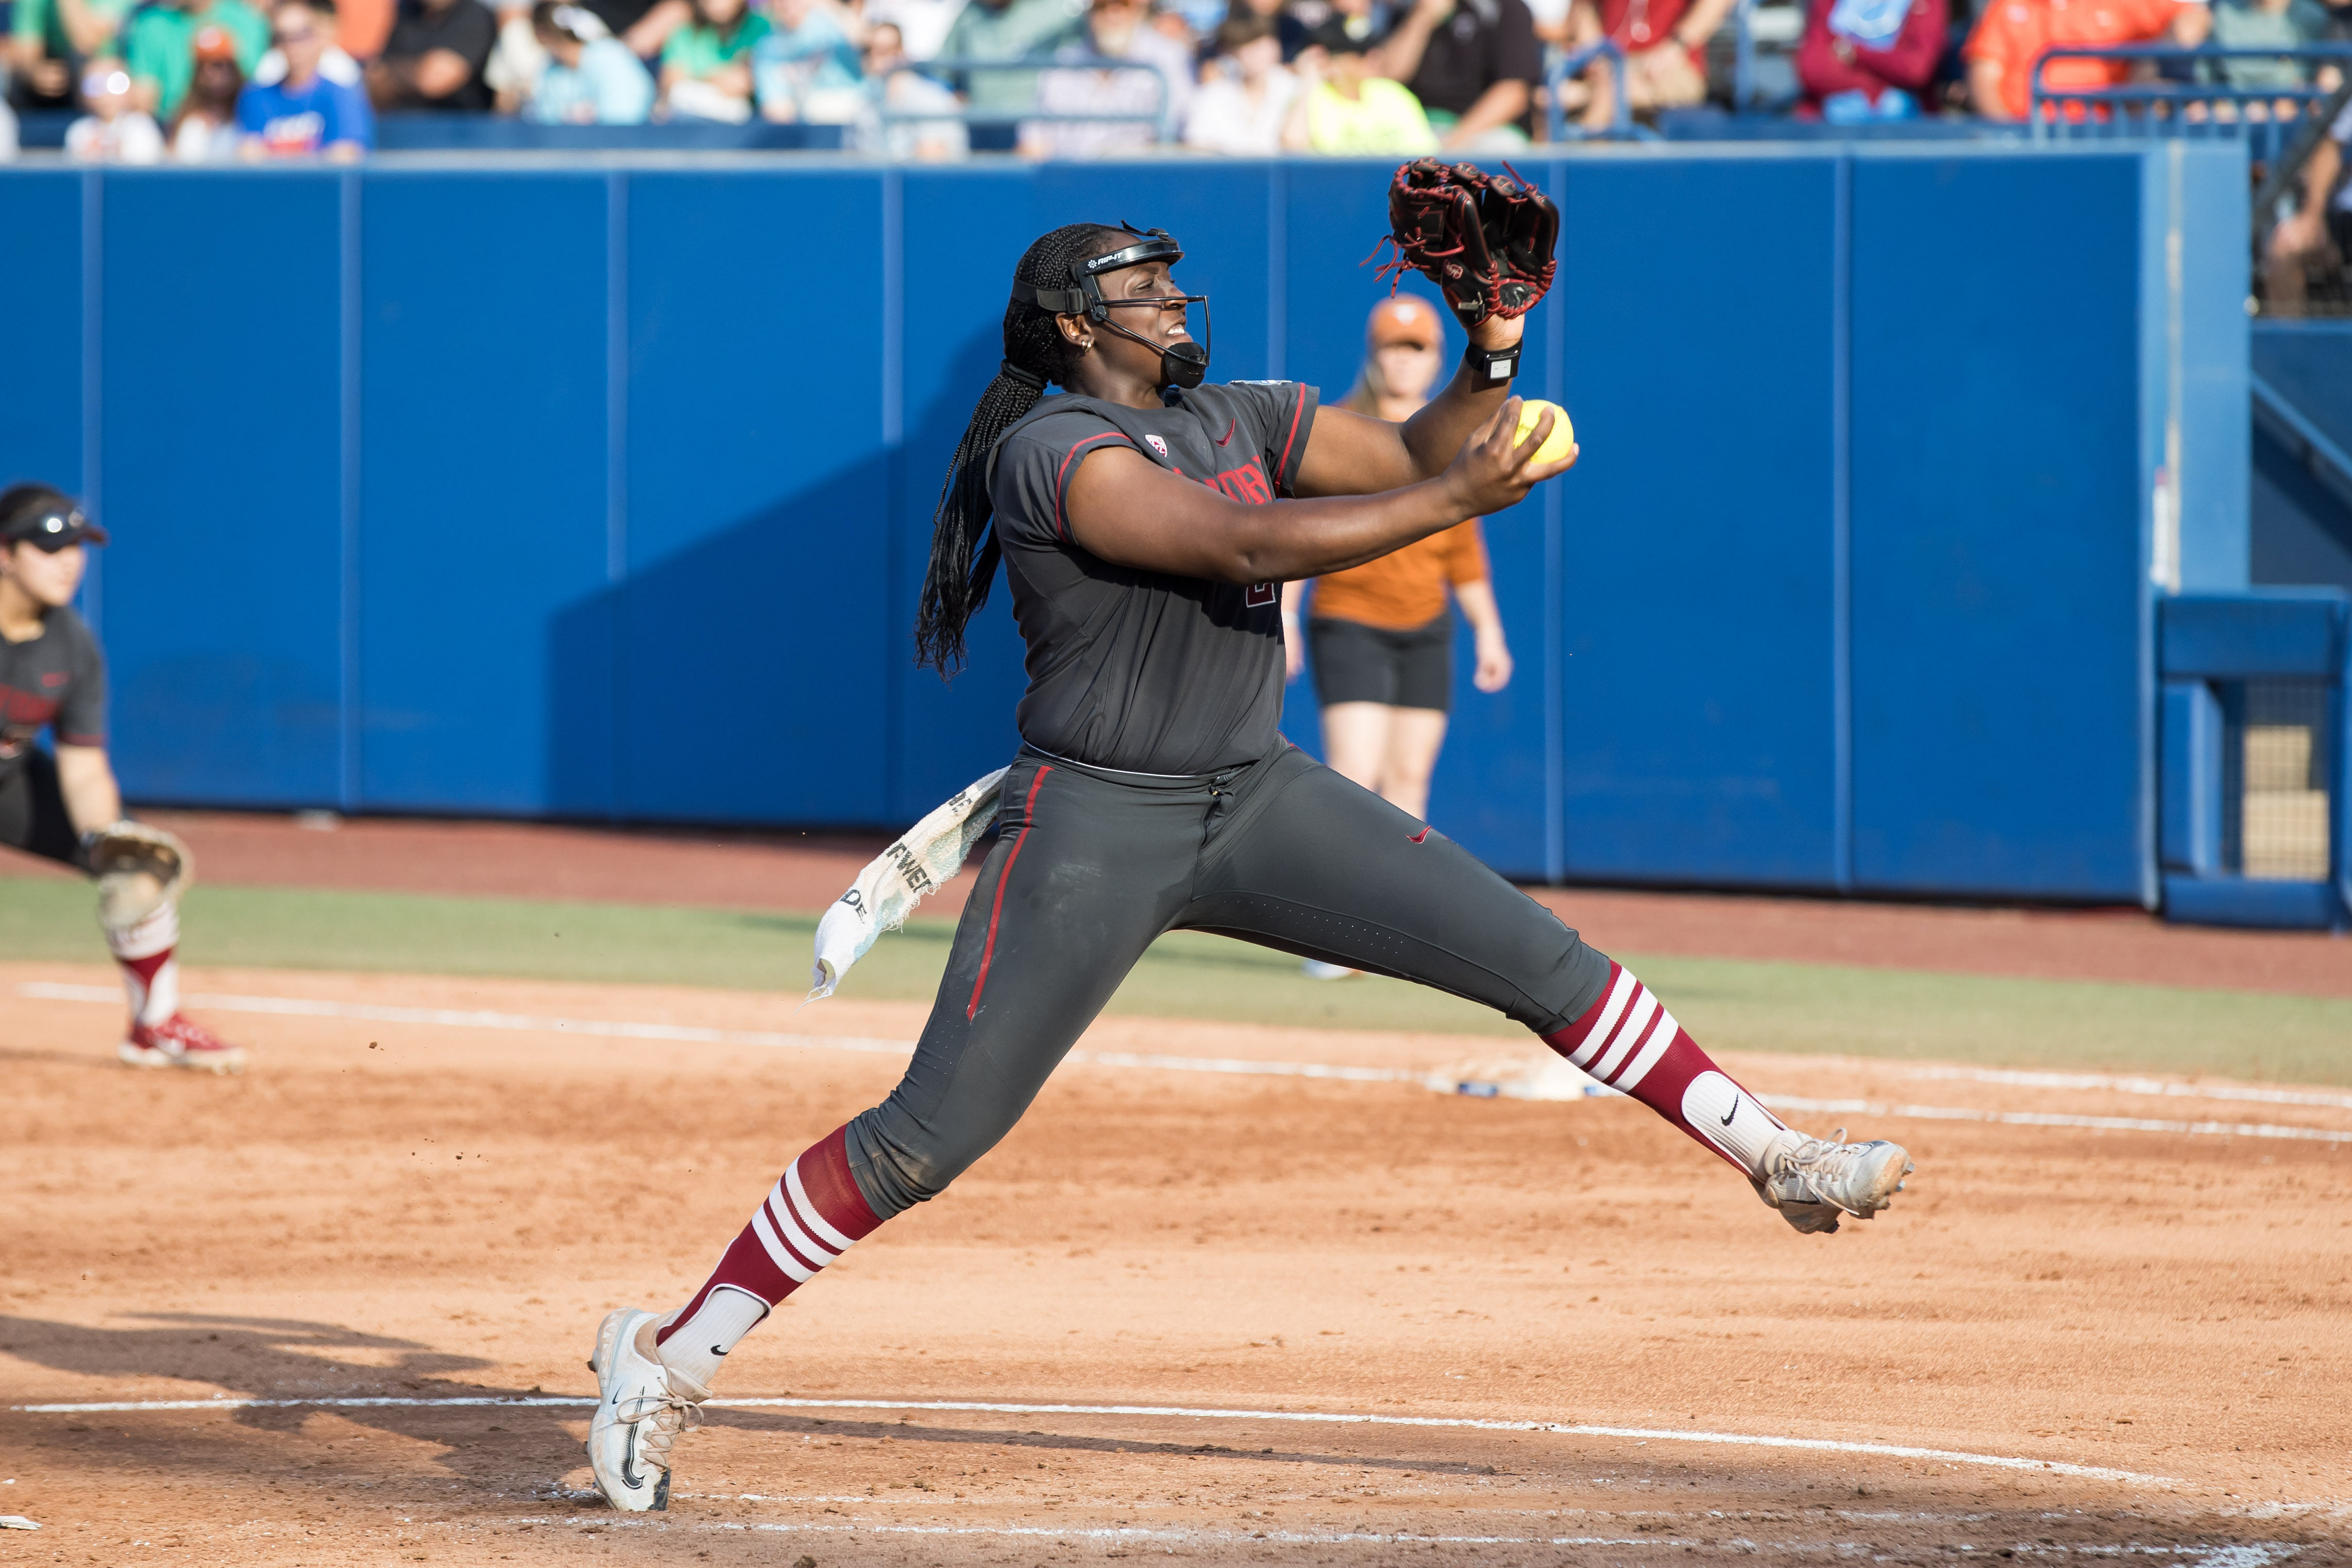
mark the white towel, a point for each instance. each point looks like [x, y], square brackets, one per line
[896, 880]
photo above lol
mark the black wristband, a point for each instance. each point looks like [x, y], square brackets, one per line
[1491, 368]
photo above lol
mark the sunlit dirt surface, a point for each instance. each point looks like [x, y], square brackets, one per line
[435, 1212]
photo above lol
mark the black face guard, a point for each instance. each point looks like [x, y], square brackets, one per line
[1180, 364]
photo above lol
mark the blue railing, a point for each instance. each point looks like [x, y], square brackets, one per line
[1621, 117]
[2177, 104]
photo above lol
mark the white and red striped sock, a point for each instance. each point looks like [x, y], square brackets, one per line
[1628, 1041]
[812, 1216]
[151, 971]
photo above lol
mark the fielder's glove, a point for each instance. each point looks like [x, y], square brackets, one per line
[1486, 241]
[139, 869]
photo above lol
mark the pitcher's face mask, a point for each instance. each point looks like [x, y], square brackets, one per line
[1180, 364]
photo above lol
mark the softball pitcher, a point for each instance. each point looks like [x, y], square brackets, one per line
[1145, 522]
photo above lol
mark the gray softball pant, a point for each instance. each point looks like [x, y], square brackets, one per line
[1091, 865]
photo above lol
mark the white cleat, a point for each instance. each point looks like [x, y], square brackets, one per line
[641, 1407]
[1814, 1180]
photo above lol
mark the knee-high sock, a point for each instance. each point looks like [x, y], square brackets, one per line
[1628, 1041]
[151, 971]
[812, 1214]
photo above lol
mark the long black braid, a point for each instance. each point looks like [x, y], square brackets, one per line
[964, 551]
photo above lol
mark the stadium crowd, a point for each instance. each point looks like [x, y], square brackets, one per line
[210, 80]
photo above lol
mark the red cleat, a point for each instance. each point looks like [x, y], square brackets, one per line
[181, 1042]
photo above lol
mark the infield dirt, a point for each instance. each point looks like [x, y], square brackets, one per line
[441, 1210]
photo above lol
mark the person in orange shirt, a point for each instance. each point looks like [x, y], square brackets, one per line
[2012, 34]
[1381, 635]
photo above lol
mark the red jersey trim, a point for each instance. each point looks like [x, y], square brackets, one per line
[1282, 474]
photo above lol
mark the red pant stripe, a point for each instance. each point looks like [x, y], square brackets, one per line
[996, 909]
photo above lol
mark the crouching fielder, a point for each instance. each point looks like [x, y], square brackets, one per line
[1138, 522]
[66, 807]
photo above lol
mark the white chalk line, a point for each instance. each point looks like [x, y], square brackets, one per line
[688, 1034]
[2054, 1119]
[2202, 1555]
[604, 1028]
[1314, 1417]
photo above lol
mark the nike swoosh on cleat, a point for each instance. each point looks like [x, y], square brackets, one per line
[1733, 1111]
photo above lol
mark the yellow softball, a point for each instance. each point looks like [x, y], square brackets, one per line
[1563, 434]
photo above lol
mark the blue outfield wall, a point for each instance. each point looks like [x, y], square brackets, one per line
[602, 489]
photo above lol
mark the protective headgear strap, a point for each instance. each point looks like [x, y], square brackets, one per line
[1182, 364]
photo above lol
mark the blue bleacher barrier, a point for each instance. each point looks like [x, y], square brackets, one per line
[2189, 96]
[602, 488]
[2225, 658]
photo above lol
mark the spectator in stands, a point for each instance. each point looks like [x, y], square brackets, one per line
[305, 114]
[50, 41]
[807, 67]
[899, 92]
[2265, 25]
[337, 64]
[922, 25]
[205, 130]
[706, 67]
[1245, 103]
[160, 47]
[1009, 30]
[591, 78]
[644, 25]
[2320, 232]
[1869, 59]
[1288, 25]
[1473, 65]
[1365, 21]
[2012, 34]
[1345, 106]
[436, 58]
[116, 130]
[1664, 42]
[1551, 21]
[1115, 30]
[517, 60]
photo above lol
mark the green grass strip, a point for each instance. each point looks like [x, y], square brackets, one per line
[1733, 1002]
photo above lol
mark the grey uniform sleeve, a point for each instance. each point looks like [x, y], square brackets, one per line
[1031, 486]
[80, 718]
[1284, 415]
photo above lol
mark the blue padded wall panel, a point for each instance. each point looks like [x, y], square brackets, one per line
[484, 657]
[753, 623]
[953, 732]
[1698, 525]
[221, 408]
[41, 269]
[2206, 202]
[1998, 574]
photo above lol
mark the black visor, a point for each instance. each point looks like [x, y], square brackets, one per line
[52, 528]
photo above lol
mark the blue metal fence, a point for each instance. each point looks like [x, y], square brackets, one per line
[603, 489]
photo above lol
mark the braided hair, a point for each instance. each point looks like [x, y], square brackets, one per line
[964, 551]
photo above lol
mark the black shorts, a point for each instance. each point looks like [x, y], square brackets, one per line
[1357, 663]
[33, 814]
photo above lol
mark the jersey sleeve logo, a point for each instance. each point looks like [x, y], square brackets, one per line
[1157, 444]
